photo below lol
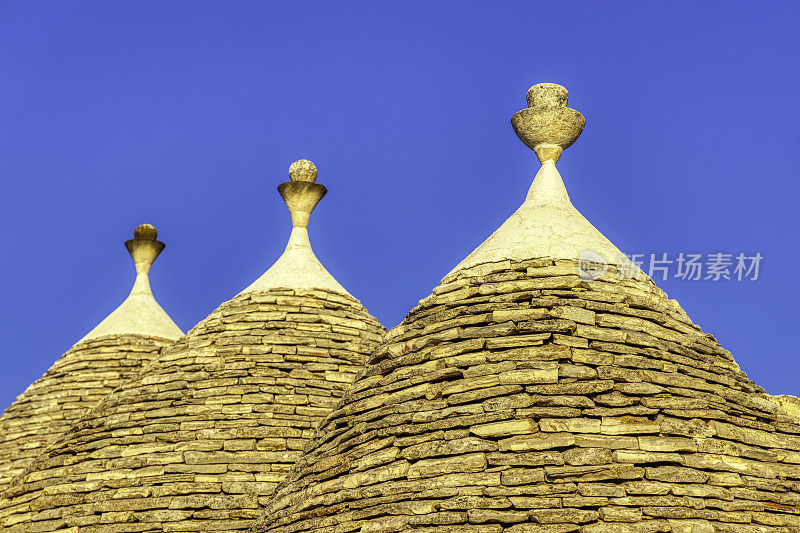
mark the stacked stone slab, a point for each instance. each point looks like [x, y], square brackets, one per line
[109, 355]
[533, 393]
[74, 384]
[203, 435]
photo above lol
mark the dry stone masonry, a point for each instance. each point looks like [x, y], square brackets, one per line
[107, 357]
[74, 384]
[522, 396]
[202, 436]
[519, 397]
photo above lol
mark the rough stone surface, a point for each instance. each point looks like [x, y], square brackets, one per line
[74, 384]
[523, 396]
[201, 436]
[631, 420]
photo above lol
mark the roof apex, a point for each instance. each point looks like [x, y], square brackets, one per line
[298, 267]
[139, 314]
[546, 225]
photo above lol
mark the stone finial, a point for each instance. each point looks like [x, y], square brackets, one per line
[144, 248]
[548, 126]
[145, 232]
[302, 193]
[303, 170]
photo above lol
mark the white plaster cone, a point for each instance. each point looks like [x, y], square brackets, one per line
[546, 225]
[297, 268]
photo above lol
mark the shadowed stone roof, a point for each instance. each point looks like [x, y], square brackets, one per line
[202, 436]
[524, 395]
[108, 356]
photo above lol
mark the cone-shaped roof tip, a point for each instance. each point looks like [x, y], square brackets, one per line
[140, 314]
[546, 225]
[298, 267]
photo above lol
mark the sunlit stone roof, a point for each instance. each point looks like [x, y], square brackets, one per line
[528, 394]
[202, 436]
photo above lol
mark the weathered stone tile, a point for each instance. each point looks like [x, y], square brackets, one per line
[562, 516]
[474, 462]
[588, 407]
[627, 425]
[505, 428]
[536, 442]
[570, 425]
[211, 424]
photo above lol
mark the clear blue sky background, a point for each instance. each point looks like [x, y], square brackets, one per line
[187, 114]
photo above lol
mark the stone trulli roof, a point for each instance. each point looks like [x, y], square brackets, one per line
[105, 358]
[202, 436]
[529, 395]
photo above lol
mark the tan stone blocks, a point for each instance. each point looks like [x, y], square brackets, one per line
[641, 456]
[213, 438]
[527, 459]
[74, 384]
[522, 350]
[588, 456]
[500, 402]
[518, 315]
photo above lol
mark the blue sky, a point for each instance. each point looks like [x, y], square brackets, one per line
[187, 115]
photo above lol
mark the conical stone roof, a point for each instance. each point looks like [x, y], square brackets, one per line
[105, 358]
[203, 435]
[533, 394]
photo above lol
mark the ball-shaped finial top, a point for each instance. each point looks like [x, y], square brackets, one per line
[145, 232]
[547, 95]
[303, 170]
